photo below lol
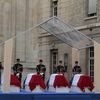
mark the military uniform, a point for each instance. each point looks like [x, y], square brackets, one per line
[76, 69]
[18, 69]
[1, 67]
[40, 68]
[60, 69]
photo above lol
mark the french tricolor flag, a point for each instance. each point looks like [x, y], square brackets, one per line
[58, 80]
[14, 81]
[82, 81]
[33, 80]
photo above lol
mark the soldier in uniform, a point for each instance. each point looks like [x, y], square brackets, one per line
[18, 69]
[1, 67]
[76, 69]
[40, 68]
[60, 68]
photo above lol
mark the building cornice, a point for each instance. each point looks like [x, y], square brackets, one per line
[94, 25]
[88, 26]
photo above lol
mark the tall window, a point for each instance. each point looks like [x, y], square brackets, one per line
[91, 8]
[91, 62]
[54, 59]
[54, 7]
[66, 61]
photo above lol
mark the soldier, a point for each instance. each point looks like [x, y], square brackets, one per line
[76, 69]
[60, 68]
[41, 68]
[1, 67]
[18, 69]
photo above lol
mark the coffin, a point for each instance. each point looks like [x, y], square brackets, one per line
[81, 83]
[34, 83]
[58, 83]
[15, 84]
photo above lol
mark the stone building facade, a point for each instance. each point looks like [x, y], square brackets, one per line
[17, 20]
[84, 16]
[19, 16]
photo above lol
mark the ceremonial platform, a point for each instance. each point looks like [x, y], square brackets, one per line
[49, 96]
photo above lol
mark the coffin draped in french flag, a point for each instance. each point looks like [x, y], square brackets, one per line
[58, 83]
[14, 81]
[15, 84]
[81, 83]
[34, 82]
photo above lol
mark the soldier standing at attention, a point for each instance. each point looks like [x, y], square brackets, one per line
[76, 69]
[1, 67]
[60, 68]
[18, 69]
[41, 68]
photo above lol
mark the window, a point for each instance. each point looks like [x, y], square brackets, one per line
[66, 61]
[91, 62]
[54, 7]
[91, 8]
[54, 59]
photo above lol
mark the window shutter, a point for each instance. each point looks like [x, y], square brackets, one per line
[91, 6]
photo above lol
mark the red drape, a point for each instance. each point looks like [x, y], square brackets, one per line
[14, 81]
[60, 81]
[36, 80]
[85, 81]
